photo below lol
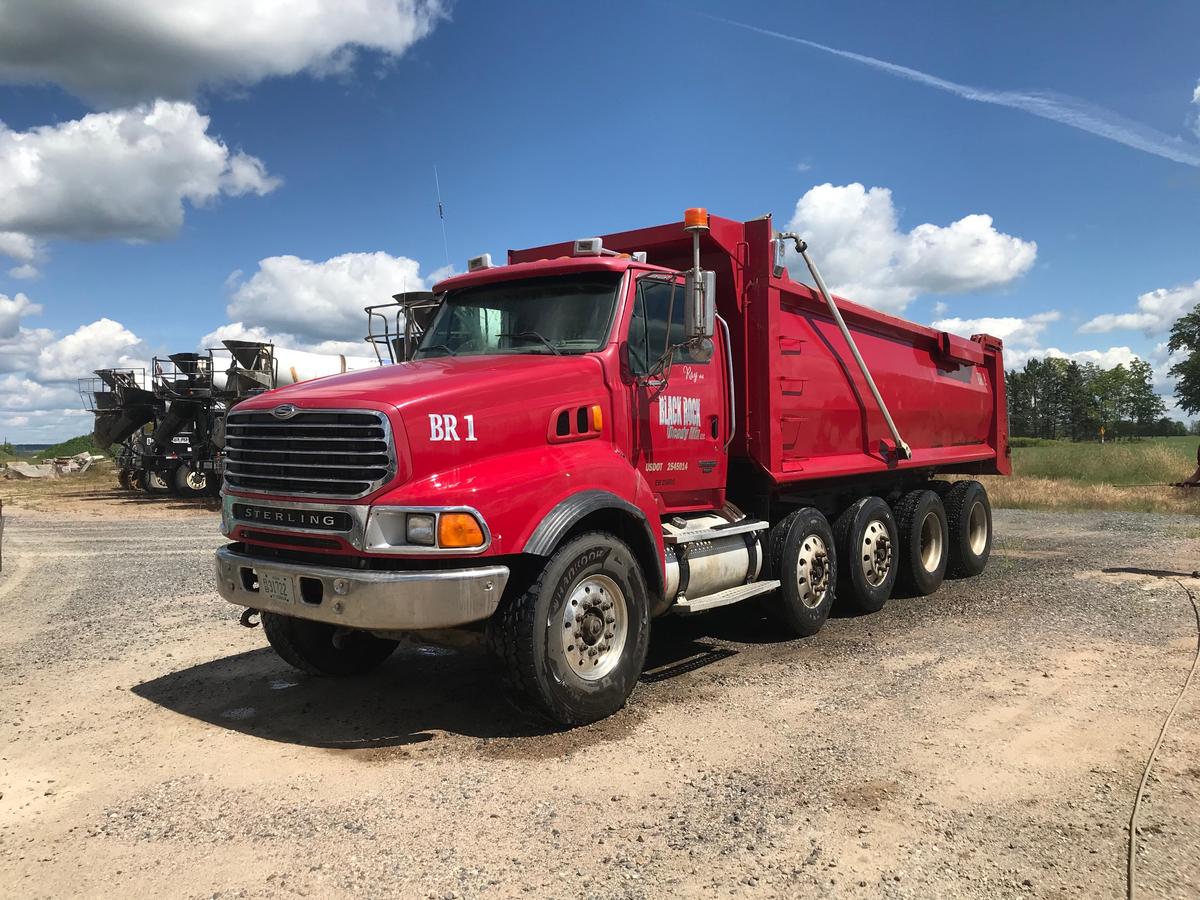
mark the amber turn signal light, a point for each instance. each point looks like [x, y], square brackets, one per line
[597, 418]
[459, 530]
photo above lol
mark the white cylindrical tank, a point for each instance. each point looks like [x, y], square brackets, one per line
[300, 365]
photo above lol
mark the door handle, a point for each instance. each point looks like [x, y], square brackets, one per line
[713, 422]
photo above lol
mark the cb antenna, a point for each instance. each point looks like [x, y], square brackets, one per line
[441, 215]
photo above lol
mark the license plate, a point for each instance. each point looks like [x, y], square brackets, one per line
[275, 587]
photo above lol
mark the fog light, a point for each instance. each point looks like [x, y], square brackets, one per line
[420, 529]
[459, 530]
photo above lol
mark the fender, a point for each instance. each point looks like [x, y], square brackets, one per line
[559, 520]
[556, 523]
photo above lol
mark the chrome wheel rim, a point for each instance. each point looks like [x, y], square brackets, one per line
[594, 627]
[812, 571]
[978, 528]
[196, 481]
[156, 481]
[875, 553]
[931, 542]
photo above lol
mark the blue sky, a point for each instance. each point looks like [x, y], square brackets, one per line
[554, 120]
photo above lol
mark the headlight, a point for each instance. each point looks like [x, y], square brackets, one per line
[421, 529]
[425, 529]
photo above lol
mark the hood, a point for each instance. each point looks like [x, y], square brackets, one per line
[426, 381]
[454, 412]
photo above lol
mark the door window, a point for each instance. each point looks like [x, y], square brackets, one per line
[657, 325]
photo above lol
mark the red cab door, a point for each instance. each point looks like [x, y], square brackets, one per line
[679, 400]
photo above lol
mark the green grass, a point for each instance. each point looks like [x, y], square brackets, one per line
[1055, 475]
[1116, 463]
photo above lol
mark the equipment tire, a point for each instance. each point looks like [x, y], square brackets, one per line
[969, 520]
[189, 483]
[309, 646]
[924, 542]
[866, 542]
[590, 595]
[804, 560]
[152, 483]
[125, 480]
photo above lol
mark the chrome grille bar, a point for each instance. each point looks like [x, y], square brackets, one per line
[269, 455]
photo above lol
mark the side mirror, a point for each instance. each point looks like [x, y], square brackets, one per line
[777, 249]
[699, 304]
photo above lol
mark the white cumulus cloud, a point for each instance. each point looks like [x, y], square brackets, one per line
[1156, 312]
[1022, 336]
[38, 368]
[321, 301]
[20, 393]
[103, 344]
[12, 310]
[1017, 332]
[116, 51]
[120, 174]
[863, 255]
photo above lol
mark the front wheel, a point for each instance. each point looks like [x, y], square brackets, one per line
[322, 649]
[573, 645]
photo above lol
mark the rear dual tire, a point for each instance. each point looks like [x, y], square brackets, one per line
[803, 558]
[969, 525]
[867, 549]
[924, 542]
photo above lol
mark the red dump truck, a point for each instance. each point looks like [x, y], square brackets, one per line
[602, 432]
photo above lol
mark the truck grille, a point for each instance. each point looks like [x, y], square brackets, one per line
[325, 453]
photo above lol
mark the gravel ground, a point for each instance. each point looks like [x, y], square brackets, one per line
[983, 742]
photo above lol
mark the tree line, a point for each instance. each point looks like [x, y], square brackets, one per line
[1061, 399]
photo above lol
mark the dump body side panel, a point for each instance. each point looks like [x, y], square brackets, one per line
[811, 413]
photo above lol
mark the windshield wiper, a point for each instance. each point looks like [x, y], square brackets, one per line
[532, 336]
[448, 351]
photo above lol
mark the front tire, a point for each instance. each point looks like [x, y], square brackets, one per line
[924, 541]
[322, 649]
[572, 646]
[804, 561]
[867, 543]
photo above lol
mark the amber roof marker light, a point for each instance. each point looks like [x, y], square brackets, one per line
[695, 219]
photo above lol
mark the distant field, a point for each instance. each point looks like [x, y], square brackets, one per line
[1063, 475]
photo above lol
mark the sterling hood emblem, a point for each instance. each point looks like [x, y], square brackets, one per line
[286, 411]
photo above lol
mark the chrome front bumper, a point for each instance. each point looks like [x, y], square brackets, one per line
[356, 598]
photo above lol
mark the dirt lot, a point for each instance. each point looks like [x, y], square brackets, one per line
[983, 742]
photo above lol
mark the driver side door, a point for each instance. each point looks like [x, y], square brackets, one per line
[679, 402]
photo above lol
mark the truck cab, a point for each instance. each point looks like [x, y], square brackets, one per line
[573, 449]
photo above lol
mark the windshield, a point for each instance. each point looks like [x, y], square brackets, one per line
[562, 314]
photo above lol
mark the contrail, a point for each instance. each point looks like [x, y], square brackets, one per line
[1060, 108]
